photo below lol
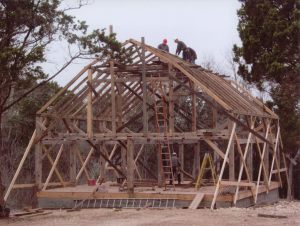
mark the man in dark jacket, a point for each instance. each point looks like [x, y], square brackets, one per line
[163, 46]
[181, 46]
[191, 55]
[175, 168]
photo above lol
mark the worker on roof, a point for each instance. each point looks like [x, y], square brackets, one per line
[175, 168]
[163, 46]
[191, 55]
[181, 47]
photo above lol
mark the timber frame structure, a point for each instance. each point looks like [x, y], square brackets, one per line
[108, 109]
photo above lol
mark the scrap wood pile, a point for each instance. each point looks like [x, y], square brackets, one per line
[27, 212]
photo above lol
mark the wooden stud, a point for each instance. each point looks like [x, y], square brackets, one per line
[171, 103]
[113, 97]
[144, 84]
[160, 179]
[73, 163]
[231, 158]
[102, 173]
[196, 164]
[181, 160]
[130, 166]
[38, 156]
[90, 107]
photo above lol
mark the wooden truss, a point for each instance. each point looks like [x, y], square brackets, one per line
[107, 110]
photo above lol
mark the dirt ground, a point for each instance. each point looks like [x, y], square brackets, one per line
[147, 217]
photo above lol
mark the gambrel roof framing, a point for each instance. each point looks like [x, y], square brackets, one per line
[115, 103]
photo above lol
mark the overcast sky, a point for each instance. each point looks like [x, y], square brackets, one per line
[208, 26]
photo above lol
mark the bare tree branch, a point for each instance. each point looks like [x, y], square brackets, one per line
[40, 84]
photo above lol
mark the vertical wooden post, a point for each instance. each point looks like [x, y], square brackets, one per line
[249, 160]
[217, 161]
[38, 156]
[181, 159]
[171, 101]
[113, 98]
[90, 106]
[130, 166]
[72, 154]
[144, 84]
[194, 128]
[102, 162]
[119, 104]
[196, 164]
[159, 167]
[231, 156]
[123, 158]
[267, 161]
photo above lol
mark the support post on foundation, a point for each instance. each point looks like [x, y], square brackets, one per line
[144, 86]
[196, 164]
[181, 159]
[102, 162]
[72, 154]
[130, 166]
[38, 156]
[231, 157]
[159, 169]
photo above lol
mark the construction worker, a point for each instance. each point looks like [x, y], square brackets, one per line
[163, 46]
[181, 46]
[175, 168]
[191, 55]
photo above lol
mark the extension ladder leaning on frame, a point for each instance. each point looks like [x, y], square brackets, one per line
[161, 117]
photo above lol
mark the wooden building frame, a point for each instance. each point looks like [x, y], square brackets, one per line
[108, 108]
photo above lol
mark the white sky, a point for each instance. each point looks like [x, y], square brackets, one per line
[208, 26]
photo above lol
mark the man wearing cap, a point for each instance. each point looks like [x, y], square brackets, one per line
[175, 167]
[163, 46]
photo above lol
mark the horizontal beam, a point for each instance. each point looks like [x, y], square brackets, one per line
[236, 183]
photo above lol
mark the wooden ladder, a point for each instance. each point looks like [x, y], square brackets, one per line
[161, 116]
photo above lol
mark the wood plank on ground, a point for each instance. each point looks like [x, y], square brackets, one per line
[196, 201]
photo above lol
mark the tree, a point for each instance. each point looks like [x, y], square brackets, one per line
[17, 129]
[270, 55]
[269, 58]
[27, 27]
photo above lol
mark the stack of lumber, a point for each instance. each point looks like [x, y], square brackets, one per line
[28, 212]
